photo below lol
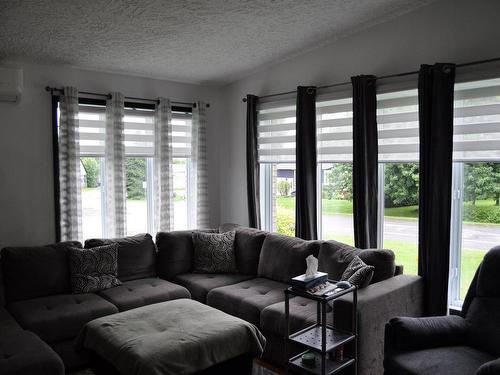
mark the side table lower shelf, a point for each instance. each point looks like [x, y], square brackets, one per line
[311, 337]
[332, 367]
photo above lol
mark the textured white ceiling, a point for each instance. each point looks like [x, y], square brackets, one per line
[198, 41]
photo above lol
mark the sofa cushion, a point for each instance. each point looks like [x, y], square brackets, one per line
[334, 258]
[175, 252]
[456, 360]
[247, 246]
[358, 273]
[7, 322]
[383, 260]
[214, 252]
[303, 313]
[23, 353]
[199, 284]
[47, 267]
[137, 293]
[136, 255]
[247, 299]
[93, 269]
[59, 317]
[283, 257]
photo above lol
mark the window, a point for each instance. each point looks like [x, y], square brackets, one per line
[139, 152]
[476, 181]
[334, 150]
[276, 148]
[398, 135]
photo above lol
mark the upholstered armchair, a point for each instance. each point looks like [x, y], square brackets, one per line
[452, 345]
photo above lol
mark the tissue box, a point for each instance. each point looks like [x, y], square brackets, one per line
[303, 283]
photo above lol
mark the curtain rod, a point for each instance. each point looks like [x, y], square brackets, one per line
[378, 78]
[107, 96]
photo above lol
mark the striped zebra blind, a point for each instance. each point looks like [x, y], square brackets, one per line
[398, 129]
[334, 130]
[477, 121]
[276, 132]
[139, 132]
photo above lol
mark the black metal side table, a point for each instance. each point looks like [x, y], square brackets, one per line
[322, 338]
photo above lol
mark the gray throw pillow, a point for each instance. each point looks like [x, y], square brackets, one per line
[93, 269]
[214, 252]
[358, 273]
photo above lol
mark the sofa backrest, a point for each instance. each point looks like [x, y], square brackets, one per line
[483, 314]
[335, 256]
[175, 253]
[283, 257]
[247, 247]
[136, 255]
[31, 272]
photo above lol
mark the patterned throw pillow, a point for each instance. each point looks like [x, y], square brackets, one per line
[358, 273]
[93, 269]
[214, 252]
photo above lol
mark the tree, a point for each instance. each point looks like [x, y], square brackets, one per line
[91, 166]
[339, 181]
[401, 184]
[479, 181]
[284, 188]
[496, 183]
[135, 173]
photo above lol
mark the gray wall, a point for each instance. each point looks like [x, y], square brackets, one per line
[26, 178]
[445, 31]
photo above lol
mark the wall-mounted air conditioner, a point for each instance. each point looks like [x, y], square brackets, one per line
[11, 84]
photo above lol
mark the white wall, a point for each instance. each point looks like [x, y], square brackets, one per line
[445, 31]
[26, 178]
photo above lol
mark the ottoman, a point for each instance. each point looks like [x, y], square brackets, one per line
[174, 337]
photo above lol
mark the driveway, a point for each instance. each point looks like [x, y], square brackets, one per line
[475, 236]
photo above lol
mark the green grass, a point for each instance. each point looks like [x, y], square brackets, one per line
[344, 207]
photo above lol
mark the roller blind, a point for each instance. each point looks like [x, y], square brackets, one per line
[139, 132]
[477, 121]
[398, 126]
[334, 130]
[276, 132]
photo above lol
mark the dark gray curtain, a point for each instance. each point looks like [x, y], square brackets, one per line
[305, 208]
[253, 188]
[435, 100]
[365, 161]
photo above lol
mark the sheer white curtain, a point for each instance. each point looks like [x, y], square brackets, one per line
[163, 173]
[70, 199]
[198, 172]
[114, 160]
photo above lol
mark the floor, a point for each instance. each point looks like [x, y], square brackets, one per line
[259, 368]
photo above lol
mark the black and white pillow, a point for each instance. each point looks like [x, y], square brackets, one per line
[214, 252]
[93, 269]
[358, 273]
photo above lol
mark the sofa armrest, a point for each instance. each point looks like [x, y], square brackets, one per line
[490, 368]
[406, 334]
[378, 303]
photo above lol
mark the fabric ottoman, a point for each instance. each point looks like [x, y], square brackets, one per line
[175, 337]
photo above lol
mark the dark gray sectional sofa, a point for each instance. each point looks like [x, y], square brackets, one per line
[36, 282]
[44, 317]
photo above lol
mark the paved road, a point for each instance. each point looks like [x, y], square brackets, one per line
[477, 237]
